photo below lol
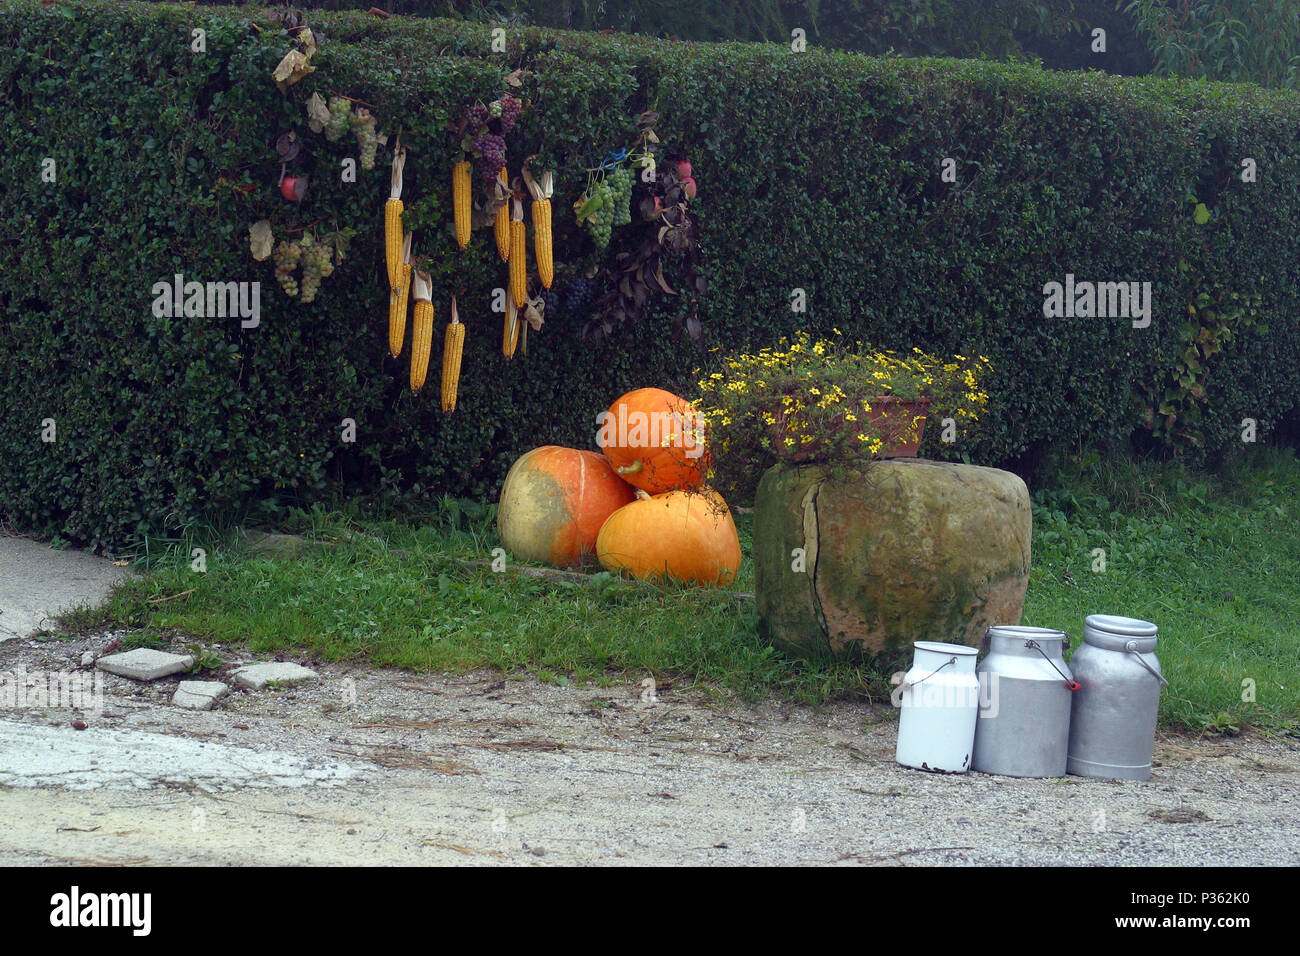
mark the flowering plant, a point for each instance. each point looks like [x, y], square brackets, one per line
[821, 400]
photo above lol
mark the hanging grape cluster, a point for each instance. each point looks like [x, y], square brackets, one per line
[286, 256]
[340, 120]
[363, 125]
[578, 294]
[485, 129]
[620, 181]
[317, 262]
[601, 224]
[317, 258]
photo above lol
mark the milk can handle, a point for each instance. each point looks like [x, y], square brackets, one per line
[1072, 685]
[1131, 647]
[951, 660]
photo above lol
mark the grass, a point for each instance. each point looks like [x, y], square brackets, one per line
[1213, 560]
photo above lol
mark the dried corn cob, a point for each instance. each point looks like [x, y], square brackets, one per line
[501, 226]
[460, 201]
[421, 330]
[393, 221]
[398, 299]
[542, 240]
[453, 347]
[510, 337]
[518, 265]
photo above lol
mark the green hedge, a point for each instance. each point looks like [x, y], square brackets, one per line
[817, 170]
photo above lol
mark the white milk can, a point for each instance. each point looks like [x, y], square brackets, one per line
[1113, 721]
[939, 698]
[1025, 689]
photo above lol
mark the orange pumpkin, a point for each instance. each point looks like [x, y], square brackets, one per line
[684, 535]
[554, 502]
[655, 441]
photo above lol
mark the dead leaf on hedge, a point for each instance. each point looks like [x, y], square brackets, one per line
[292, 68]
[318, 114]
[533, 313]
[659, 277]
[260, 239]
[287, 147]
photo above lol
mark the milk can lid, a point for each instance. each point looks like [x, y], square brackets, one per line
[960, 650]
[1122, 626]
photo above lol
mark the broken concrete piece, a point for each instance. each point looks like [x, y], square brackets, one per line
[144, 663]
[199, 694]
[258, 676]
[87, 658]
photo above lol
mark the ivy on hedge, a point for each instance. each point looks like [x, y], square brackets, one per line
[817, 170]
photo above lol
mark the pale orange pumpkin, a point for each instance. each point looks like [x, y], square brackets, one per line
[655, 441]
[683, 535]
[554, 502]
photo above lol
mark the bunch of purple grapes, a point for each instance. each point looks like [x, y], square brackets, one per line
[578, 295]
[491, 150]
[551, 299]
[476, 118]
[510, 108]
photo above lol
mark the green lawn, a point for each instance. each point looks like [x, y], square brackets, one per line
[1214, 561]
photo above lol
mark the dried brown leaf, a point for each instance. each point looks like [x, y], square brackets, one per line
[260, 239]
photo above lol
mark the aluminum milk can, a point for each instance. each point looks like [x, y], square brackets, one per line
[939, 698]
[1113, 721]
[1025, 688]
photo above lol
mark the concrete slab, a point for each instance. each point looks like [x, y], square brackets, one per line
[40, 756]
[199, 694]
[38, 582]
[258, 676]
[144, 663]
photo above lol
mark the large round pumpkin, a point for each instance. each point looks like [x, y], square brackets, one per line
[655, 441]
[554, 502]
[684, 535]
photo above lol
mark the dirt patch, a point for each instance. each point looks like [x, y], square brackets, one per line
[385, 767]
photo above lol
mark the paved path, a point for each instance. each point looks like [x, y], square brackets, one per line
[37, 582]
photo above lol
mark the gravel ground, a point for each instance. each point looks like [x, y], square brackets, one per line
[386, 767]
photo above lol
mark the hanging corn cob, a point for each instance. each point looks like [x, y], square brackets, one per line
[501, 226]
[393, 220]
[421, 330]
[453, 347]
[518, 264]
[542, 241]
[510, 337]
[460, 201]
[398, 299]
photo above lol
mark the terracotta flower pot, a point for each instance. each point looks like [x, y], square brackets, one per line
[898, 422]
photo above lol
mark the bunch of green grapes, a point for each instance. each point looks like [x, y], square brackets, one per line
[286, 256]
[315, 264]
[363, 125]
[340, 119]
[602, 226]
[620, 181]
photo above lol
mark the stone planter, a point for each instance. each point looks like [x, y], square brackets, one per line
[899, 423]
[890, 552]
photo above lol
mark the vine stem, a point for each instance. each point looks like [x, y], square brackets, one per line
[306, 227]
[353, 99]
